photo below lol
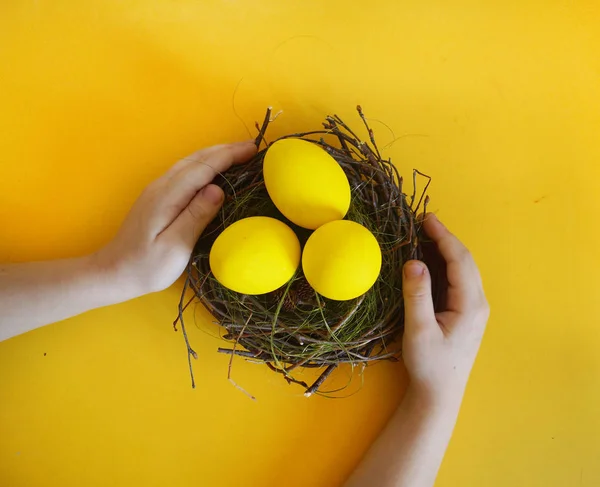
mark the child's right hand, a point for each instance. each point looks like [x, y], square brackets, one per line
[440, 348]
[439, 351]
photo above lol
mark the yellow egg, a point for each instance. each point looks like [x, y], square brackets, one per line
[306, 184]
[341, 260]
[255, 255]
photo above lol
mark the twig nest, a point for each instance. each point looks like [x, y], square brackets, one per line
[346, 305]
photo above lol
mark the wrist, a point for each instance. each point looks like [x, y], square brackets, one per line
[443, 400]
[108, 280]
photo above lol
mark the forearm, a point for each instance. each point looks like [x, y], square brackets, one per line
[148, 254]
[38, 293]
[409, 451]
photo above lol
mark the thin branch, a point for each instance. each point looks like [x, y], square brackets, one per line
[315, 387]
[369, 130]
[190, 351]
[239, 353]
[231, 361]
[416, 210]
[261, 132]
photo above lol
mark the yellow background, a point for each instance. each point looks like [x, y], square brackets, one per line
[498, 101]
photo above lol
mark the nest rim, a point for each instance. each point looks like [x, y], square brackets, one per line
[378, 203]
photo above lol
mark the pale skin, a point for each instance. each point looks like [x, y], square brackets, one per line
[153, 247]
[438, 351]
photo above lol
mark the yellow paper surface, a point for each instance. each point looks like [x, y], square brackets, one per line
[498, 101]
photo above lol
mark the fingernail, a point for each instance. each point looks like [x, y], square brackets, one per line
[414, 268]
[213, 194]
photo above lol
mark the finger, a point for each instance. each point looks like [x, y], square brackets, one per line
[176, 193]
[191, 178]
[418, 303]
[192, 221]
[203, 155]
[464, 280]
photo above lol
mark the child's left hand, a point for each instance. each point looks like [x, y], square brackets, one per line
[148, 254]
[154, 243]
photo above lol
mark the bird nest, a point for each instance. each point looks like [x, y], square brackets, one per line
[294, 327]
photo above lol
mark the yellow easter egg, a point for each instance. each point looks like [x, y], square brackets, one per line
[255, 255]
[306, 184]
[341, 260]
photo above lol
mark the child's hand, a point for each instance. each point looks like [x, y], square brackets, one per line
[440, 349]
[154, 244]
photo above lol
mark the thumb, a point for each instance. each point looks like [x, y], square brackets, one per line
[194, 218]
[419, 314]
